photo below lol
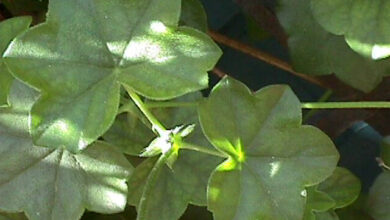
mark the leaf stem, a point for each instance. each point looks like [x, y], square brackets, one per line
[190, 146]
[149, 115]
[344, 105]
[170, 104]
[323, 98]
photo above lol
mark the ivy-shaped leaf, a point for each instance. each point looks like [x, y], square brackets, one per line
[338, 191]
[317, 202]
[364, 23]
[271, 156]
[9, 29]
[51, 184]
[318, 52]
[193, 15]
[379, 197]
[86, 49]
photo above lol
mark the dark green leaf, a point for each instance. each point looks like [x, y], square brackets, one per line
[364, 23]
[385, 150]
[193, 15]
[317, 202]
[9, 29]
[78, 64]
[379, 198]
[342, 186]
[50, 184]
[272, 157]
[318, 52]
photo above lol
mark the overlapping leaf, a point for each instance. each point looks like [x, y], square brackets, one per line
[193, 15]
[87, 49]
[158, 191]
[316, 51]
[364, 23]
[51, 184]
[379, 198]
[9, 29]
[337, 191]
[272, 157]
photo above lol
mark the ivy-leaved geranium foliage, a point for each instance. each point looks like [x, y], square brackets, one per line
[79, 64]
[316, 51]
[49, 183]
[100, 109]
[271, 157]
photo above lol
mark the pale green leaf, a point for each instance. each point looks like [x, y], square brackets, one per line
[78, 64]
[315, 51]
[50, 184]
[9, 29]
[379, 197]
[272, 157]
[364, 23]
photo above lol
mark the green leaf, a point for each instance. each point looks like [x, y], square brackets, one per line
[79, 64]
[343, 187]
[385, 150]
[161, 192]
[317, 52]
[339, 190]
[364, 23]
[12, 216]
[316, 203]
[379, 198]
[272, 157]
[55, 184]
[193, 15]
[9, 29]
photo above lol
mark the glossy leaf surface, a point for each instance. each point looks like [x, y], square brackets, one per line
[9, 29]
[271, 156]
[50, 184]
[315, 51]
[79, 64]
[364, 23]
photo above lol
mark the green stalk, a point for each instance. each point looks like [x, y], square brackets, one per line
[189, 146]
[170, 104]
[344, 105]
[149, 115]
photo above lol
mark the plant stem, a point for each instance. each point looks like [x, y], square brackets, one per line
[344, 105]
[149, 115]
[170, 104]
[323, 98]
[189, 146]
[260, 55]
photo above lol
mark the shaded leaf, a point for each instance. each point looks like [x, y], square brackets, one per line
[364, 23]
[112, 43]
[9, 29]
[317, 52]
[316, 203]
[193, 15]
[385, 150]
[55, 184]
[271, 156]
[379, 198]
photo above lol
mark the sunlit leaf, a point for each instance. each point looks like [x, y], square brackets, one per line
[315, 51]
[83, 53]
[271, 156]
[364, 23]
[379, 197]
[52, 184]
[9, 29]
